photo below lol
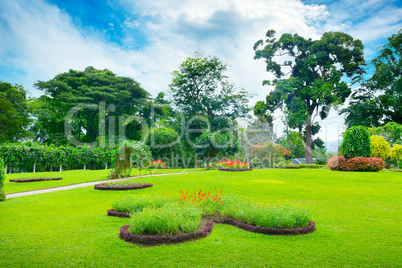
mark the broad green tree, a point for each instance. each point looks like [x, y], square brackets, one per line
[309, 75]
[121, 96]
[201, 88]
[14, 112]
[379, 100]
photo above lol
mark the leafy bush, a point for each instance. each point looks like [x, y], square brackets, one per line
[268, 151]
[168, 220]
[340, 163]
[264, 215]
[2, 178]
[380, 147]
[164, 143]
[356, 143]
[396, 153]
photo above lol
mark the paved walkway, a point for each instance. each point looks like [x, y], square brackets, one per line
[80, 185]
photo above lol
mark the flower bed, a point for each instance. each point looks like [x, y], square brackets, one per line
[36, 179]
[269, 231]
[234, 169]
[233, 165]
[160, 220]
[340, 163]
[158, 164]
[164, 239]
[122, 188]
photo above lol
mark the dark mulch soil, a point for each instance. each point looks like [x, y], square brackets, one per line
[269, 231]
[36, 179]
[287, 167]
[234, 169]
[113, 213]
[122, 188]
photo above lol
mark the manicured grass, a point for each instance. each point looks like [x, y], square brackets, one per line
[72, 177]
[357, 217]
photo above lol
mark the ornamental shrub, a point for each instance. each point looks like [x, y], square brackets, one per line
[380, 147]
[396, 153]
[164, 143]
[340, 163]
[356, 143]
[2, 178]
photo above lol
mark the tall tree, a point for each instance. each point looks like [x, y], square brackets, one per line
[14, 116]
[121, 96]
[379, 100]
[200, 87]
[309, 75]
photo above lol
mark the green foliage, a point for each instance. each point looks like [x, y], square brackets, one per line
[264, 215]
[164, 143]
[168, 220]
[201, 87]
[380, 147]
[14, 112]
[379, 99]
[268, 152]
[396, 153]
[38, 157]
[310, 166]
[310, 77]
[296, 144]
[90, 87]
[129, 154]
[136, 203]
[391, 131]
[209, 144]
[356, 143]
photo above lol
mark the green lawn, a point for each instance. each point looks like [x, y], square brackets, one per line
[357, 215]
[72, 177]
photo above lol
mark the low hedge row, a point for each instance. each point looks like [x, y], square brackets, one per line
[340, 163]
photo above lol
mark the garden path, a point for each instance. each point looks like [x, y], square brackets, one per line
[80, 185]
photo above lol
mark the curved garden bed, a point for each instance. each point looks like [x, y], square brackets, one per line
[122, 188]
[154, 240]
[36, 179]
[269, 231]
[159, 167]
[287, 167]
[113, 213]
[234, 169]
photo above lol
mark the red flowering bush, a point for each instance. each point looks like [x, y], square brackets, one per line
[356, 164]
[158, 163]
[234, 164]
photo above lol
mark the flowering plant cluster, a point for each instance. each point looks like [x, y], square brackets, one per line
[340, 163]
[234, 164]
[270, 147]
[208, 202]
[158, 163]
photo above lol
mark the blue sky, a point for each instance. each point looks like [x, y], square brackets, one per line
[147, 40]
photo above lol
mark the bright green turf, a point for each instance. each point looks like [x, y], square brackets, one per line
[71, 177]
[358, 217]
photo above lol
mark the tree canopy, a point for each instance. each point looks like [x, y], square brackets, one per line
[309, 75]
[121, 96]
[14, 116]
[379, 99]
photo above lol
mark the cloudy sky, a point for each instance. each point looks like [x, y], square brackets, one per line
[147, 40]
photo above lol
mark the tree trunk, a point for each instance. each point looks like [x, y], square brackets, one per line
[34, 169]
[61, 168]
[106, 166]
[287, 140]
[85, 165]
[6, 169]
[307, 147]
[207, 160]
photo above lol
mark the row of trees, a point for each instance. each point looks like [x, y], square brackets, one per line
[99, 108]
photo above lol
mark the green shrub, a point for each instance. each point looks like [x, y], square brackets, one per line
[310, 166]
[380, 147]
[170, 219]
[131, 204]
[356, 143]
[164, 143]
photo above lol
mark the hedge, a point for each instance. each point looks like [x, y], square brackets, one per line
[340, 163]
